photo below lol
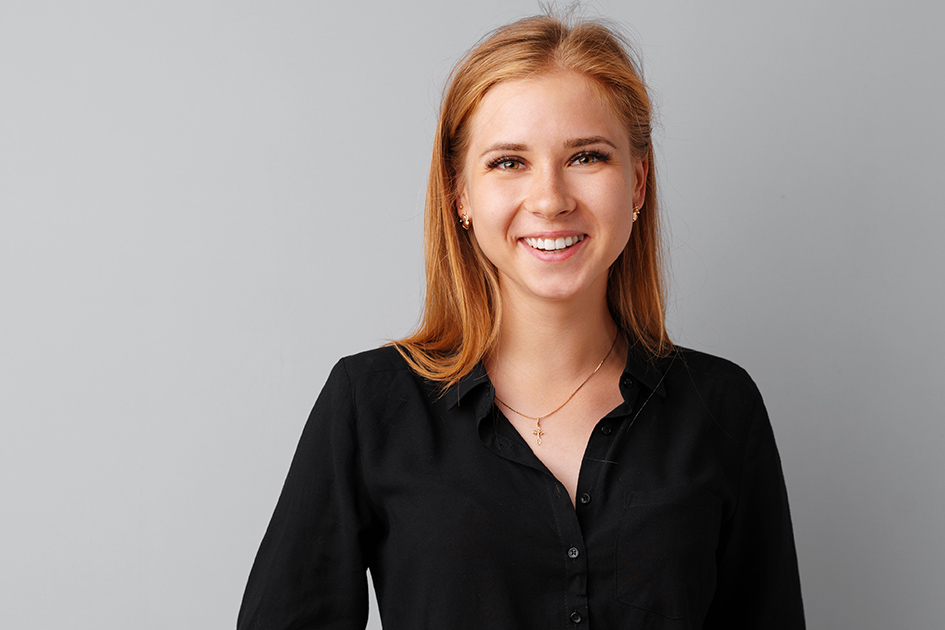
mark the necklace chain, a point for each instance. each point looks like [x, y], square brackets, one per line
[538, 432]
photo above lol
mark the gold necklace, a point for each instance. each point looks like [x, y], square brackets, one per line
[538, 432]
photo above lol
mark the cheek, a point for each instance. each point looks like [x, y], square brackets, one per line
[613, 201]
[490, 249]
[492, 210]
[491, 231]
[616, 217]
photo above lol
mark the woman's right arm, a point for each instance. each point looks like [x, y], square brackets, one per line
[310, 571]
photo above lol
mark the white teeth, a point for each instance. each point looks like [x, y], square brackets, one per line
[550, 245]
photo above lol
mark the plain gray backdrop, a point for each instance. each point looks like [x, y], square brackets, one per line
[203, 205]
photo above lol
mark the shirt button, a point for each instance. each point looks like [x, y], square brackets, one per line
[573, 553]
[627, 381]
[585, 498]
[606, 430]
[576, 617]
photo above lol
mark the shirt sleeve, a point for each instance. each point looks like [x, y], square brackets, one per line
[758, 582]
[310, 571]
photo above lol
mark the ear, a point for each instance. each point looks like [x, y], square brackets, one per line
[640, 170]
[462, 201]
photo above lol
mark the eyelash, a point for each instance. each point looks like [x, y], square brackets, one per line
[599, 156]
[501, 160]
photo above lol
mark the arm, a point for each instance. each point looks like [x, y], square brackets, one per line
[310, 571]
[758, 580]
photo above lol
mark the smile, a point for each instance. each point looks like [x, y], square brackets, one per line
[553, 244]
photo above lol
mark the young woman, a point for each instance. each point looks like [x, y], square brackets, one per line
[538, 454]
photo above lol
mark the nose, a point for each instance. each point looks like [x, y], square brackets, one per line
[549, 194]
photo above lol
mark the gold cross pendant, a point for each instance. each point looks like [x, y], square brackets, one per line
[538, 431]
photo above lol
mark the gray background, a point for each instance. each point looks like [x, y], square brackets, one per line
[204, 204]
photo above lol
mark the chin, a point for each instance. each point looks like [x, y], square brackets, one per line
[563, 293]
[562, 287]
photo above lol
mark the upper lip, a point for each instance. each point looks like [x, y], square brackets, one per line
[554, 235]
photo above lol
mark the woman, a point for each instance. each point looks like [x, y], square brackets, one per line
[538, 454]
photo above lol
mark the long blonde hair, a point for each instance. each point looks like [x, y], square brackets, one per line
[463, 306]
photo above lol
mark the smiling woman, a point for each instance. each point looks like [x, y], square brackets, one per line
[568, 174]
[538, 454]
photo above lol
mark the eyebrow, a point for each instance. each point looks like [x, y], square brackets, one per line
[504, 146]
[570, 144]
[580, 142]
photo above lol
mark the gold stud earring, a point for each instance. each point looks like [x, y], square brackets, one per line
[464, 220]
[636, 213]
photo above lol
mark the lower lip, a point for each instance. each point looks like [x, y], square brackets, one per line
[555, 256]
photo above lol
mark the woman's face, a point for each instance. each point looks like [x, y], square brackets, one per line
[550, 183]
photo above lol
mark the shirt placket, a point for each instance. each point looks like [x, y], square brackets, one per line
[592, 492]
[571, 521]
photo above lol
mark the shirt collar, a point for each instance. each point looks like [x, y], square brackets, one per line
[647, 371]
[475, 379]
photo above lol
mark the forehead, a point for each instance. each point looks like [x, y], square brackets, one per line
[549, 107]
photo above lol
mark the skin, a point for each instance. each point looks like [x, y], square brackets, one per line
[548, 158]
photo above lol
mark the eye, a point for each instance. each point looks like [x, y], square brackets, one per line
[505, 163]
[585, 158]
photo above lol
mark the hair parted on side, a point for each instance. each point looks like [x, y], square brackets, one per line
[462, 308]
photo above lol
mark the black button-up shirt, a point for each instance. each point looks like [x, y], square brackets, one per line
[681, 517]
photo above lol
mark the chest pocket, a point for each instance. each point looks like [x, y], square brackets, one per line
[665, 552]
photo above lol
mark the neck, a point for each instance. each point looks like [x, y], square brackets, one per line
[549, 345]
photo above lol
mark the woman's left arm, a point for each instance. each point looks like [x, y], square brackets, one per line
[758, 581]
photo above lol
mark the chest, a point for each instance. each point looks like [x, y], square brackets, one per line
[497, 536]
[560, 440]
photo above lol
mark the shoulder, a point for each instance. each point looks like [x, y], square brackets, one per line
[368, 385]
[372, 377]
[374, 362]
[712, 372]
[722, 390]
[354, 371]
